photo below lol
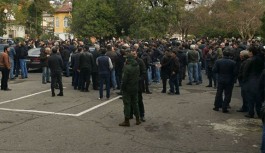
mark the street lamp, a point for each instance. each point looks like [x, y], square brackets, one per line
[122, 31]
[5, 11]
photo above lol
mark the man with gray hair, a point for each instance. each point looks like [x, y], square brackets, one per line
[193, 59]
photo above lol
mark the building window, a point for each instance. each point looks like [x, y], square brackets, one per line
[65, 21]
[57, 22]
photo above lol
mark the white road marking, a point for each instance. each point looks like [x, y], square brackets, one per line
[8, 101]
[97, 106]
[35, 111]
[53, 113]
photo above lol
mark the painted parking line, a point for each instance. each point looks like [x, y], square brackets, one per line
[36, 111]
[97, 106]
[56, 113]
[8, 101]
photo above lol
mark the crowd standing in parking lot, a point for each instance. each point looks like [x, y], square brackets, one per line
[115, 62]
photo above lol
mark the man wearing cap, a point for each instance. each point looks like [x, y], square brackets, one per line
[141, 78]
[130, 79]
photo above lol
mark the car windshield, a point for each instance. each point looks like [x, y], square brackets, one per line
[35, 51]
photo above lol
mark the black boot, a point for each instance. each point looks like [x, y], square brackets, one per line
[138, 122]
[125, 123]
[53, 93]
[60, 94]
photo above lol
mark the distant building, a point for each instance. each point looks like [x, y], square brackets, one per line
[47, 23]
[13, 30]
[62, 18]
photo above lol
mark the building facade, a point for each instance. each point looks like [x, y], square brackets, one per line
[62, 18]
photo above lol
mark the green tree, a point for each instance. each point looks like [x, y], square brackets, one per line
[237, 17]
[93, 18]
[156, 18]
[137, 18]
[34, 16]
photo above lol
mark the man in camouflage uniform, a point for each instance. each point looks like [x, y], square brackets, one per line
[130, 79]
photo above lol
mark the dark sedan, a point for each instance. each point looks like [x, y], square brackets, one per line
[33, 59]
[2, 47]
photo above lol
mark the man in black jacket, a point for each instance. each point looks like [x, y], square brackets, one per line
[174, 74]
[252, 72]
[86, 65]
[211, 58]
[165, 69]
[226, 70]
[55, 63]
[183, 63]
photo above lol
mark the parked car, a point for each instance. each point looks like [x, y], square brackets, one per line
[9, 41]
[2, 47]
[33, 59]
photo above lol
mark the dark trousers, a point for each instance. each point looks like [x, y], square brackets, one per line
[95, 80]
[145, 83]
[184, 72]
[180, 76]
[76, 78]
[56, 79]
[4, 80]
[17, 67]
[164, 82]
[211, 76]
[66, 66]
[243, 95]
[174, 82]
[141, 104]
[85, 79]
[227, 88]
[118, 75]
[253, 96]
[104, 78]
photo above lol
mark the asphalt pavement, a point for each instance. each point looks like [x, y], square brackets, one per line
[31, 121]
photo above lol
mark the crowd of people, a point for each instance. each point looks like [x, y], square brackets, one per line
[131, 66]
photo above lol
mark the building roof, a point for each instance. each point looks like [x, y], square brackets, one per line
[66, 8]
